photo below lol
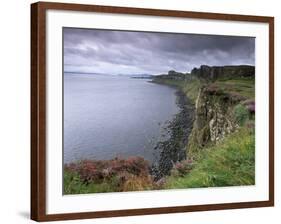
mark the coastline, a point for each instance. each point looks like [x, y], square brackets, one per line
[135, 173]
[173, 149]
[210, 143]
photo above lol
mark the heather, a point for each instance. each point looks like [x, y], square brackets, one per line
[90, 176]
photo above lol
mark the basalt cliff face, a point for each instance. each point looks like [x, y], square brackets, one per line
[215, 92]
[215, 104]
[213, 118]
[212, 73]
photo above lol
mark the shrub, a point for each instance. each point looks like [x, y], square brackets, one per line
[214, 89]
[250, 105]
[236, 97]
[137, 183]
[241, 114]
[118, 174]
[182, 168]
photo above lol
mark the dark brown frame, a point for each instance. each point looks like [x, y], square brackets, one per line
[38, 110]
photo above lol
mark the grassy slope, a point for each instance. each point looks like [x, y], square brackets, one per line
[229, 163]
[244, 87]
[232, 161]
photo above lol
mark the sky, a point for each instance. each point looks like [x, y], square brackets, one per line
[127, 52]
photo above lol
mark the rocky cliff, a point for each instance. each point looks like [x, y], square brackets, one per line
[212, 73]
[213, 118]
[215, 107]
[223, 97]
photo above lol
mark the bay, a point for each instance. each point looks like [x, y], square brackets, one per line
[108, 116]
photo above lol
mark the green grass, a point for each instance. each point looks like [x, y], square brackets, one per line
[74, 185]
[241, 114]
[240, 86]
[191, 89]
[229, 163]
[243, 86]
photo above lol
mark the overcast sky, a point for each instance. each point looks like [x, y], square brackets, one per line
[122, 52]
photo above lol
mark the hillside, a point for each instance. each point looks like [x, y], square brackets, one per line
[220, 149]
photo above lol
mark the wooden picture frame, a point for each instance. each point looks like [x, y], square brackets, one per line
[39, 109]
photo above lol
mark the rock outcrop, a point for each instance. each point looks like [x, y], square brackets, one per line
[219, 94]
[213, 118]
[212, 73]
[173, 75]
[214, 107]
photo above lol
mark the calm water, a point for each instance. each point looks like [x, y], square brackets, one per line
[109, 116]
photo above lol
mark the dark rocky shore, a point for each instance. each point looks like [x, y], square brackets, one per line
[178, 130]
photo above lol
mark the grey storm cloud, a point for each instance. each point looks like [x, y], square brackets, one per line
[128, 52]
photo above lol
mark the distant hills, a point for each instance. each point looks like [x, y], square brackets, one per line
[138, 76]
[204, 72]
[89, 73]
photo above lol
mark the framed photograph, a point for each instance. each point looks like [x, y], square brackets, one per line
[142, 111]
